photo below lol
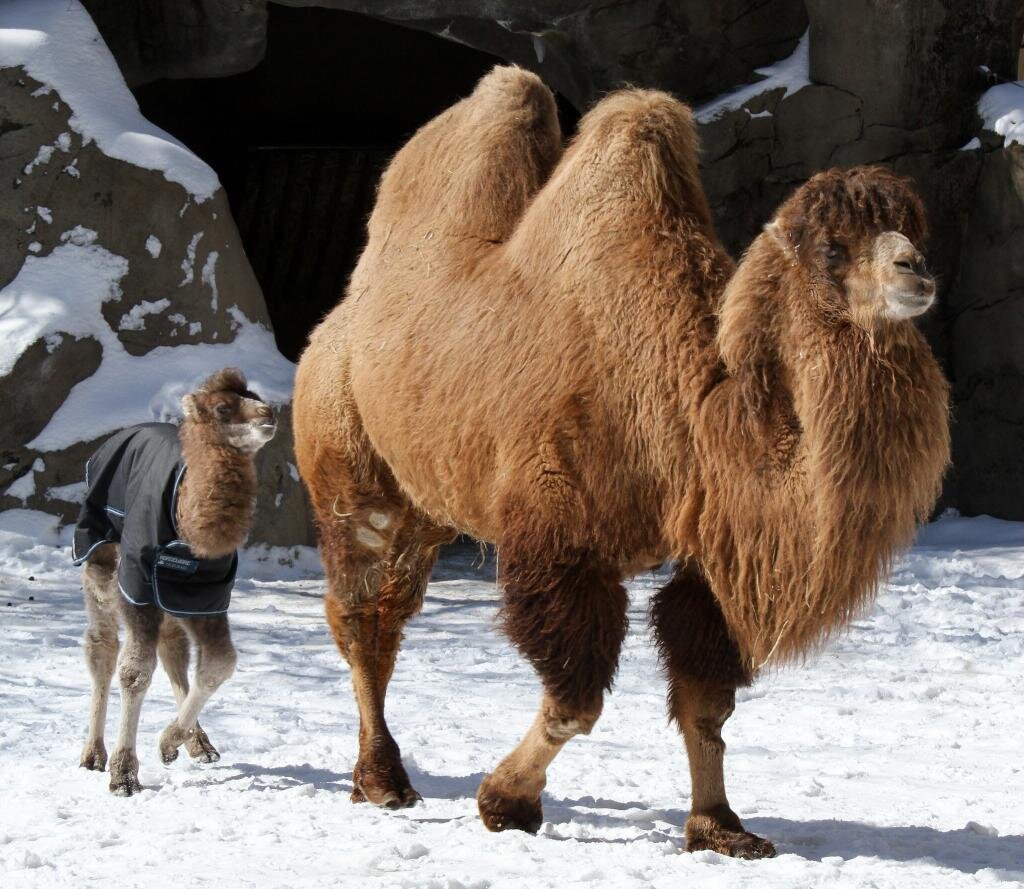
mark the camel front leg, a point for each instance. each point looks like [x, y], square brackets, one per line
[215, 664]
[704, 670]
[174, 652]
[566, 612]
[135, 670]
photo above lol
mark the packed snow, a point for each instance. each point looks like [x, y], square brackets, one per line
[1001, 109]
[891, 760]
[791, 74]
[56, 42]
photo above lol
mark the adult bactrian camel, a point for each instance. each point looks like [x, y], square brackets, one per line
[541, 351]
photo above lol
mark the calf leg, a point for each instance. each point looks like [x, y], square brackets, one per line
[174, 652]
[704, 670]
[135, 670]
[215, 663]
[99, 579]
[566, 611]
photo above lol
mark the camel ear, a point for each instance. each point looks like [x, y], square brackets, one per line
[746, 326]
[189, 407]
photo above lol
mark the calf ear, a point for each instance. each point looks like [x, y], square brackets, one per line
[189, 406]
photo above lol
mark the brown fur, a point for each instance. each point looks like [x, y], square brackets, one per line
[217, 498]
[531, 353]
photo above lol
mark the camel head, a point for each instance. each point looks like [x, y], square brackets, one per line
[843, 253]
[854, 237]
[225, 406]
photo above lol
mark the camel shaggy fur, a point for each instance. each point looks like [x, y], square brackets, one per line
[540, 349]
[225, 425]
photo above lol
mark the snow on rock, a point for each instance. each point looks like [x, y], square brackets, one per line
[890, 761]
[56, 42]
[25, 486]
[790, 74]
[153, 246]
[73, 493]
[1001, 109]
[135, 318]
[64, 292]
[59, 292]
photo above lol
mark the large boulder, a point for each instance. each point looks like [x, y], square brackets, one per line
[122, 278]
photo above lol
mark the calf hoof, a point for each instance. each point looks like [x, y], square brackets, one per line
[124, 774]
[728, 838]
[171, 739]
[94, 757]
[385, 785]
[199, 747]
[499, 811]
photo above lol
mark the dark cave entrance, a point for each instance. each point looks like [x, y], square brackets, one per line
[299, 142]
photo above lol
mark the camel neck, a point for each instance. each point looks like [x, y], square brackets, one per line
[809, 503]
[217, 494]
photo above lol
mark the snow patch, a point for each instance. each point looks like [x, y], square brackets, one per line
[56, 42]
[209, 277]
[153, 246]
[25, 486]
[188, 264]
[133, 319]
[73, 493]
[1001, 109]
[791, 74]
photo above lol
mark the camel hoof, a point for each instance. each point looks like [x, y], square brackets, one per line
[386, 786]
[703, 832]
[125, 785]
[499, 812]
[124, 773]
[94, 757]
[199, 747]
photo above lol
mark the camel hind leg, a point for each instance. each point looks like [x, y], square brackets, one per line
[402, 588]
[99, 580]
[704, 670]
[377, 554]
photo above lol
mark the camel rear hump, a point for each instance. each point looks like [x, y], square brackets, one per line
[470, 172]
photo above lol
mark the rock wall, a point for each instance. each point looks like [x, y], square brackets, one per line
[887, 81]
[178, 294]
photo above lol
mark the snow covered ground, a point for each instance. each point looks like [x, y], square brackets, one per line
[893, 760]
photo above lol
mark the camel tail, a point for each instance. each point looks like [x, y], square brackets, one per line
[650, 139]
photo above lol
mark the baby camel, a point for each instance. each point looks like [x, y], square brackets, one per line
[159, 546]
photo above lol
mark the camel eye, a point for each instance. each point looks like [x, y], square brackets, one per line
[223, 411]
[835, 255]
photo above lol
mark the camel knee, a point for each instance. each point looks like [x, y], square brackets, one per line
[217, 666]
[561, 724]
[136, 672]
